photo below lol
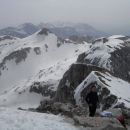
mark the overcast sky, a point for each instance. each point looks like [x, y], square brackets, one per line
[106, 15]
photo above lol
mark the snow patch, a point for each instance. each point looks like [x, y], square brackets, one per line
[116, 36]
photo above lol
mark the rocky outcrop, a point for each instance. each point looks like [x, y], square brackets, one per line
[77, 81]
[44, 31]
[43, 88]
[99, 123]
[80, 116]
[18, 56]
[126, 113]
[37, 50]
[104, 40]
[121, 62]
[66, 109]
[81, 39]
[71, 79]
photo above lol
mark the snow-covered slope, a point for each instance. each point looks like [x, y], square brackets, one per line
[39, 57]
[112, 53]
[101, 50]
[11, 119]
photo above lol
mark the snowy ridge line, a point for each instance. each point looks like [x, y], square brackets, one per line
[100, 51]
[79, 63]
[116, 86]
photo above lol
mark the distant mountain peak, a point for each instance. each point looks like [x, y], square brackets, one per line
[7, 37]
[61, 29]
[44, 31]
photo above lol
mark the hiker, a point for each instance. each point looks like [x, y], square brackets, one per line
[92, 100]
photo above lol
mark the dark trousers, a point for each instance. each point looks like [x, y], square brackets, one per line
[92, 110]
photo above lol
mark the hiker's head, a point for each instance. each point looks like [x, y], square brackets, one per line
[93, 88]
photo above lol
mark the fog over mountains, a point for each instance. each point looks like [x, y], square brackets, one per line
[79, 31]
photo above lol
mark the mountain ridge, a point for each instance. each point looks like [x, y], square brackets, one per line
[34, 59]
[62, 30]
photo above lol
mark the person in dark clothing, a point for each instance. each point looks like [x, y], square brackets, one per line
[92, 100]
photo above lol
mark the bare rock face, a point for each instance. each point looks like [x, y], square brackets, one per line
[37, 50]
[99, 123]
[18, 56]
[104, 40]
[43, 88]
[44, 31]
[126, 112]
[121, 62]
[65, 109]
[71, 79]
[108, 101]
[81, 39]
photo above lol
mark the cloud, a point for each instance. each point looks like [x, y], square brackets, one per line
[107, 15]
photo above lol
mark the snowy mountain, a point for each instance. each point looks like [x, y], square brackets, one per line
[32, 69]
[70, 30]
[40, 58]
[112, 53]
[42, 69]
[73, 31]
[106, 64]
[20, 31]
